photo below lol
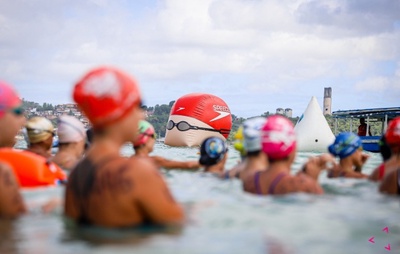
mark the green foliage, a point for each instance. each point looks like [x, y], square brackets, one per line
[158, 117]
[31, 104]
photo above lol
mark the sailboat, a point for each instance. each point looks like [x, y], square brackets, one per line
[312, 129]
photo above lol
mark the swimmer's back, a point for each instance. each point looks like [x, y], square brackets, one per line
[119, 192]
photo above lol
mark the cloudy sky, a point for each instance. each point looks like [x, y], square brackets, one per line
[257, 55]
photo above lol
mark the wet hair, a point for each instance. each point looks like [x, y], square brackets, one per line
[384, 148]
[253, 153]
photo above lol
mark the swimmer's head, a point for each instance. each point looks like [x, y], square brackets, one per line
[252, 133]
[106, 95]
[9, 100]
[39, 129]
[70, 129]
[346, 143]
[238, 145]
[146, 131]
[278, 137]
[392, 135]
[212, 151]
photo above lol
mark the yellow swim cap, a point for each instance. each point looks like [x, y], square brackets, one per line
[238, 145]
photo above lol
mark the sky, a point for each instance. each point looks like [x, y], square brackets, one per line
[257, 55]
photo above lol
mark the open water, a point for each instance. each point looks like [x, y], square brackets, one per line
[221, 218]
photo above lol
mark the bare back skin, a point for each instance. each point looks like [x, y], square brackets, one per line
[248, 166]
[118, 191]
[125, 192]
[390, 184]
[11, 203]
[288, 184]
[389, 166]
[278, 179]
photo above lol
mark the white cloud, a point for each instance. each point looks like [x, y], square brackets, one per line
[268, 47]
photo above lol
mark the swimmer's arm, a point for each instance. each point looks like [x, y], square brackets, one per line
[365, 157]
[171, 164]
[11, 202]
[302, 183]
[374, 176]
[155, 198]
[315, 165]
[355, 175]
[389, 185]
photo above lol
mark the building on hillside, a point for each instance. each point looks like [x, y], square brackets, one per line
[280, 111]
[288, 112]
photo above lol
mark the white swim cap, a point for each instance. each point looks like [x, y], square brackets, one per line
[70, 129]
[252, 133]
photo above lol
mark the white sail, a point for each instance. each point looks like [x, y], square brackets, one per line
[312, 129]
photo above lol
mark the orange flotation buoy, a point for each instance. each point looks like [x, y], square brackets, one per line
[32, 170]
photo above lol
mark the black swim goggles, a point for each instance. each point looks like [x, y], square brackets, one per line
[185, 126]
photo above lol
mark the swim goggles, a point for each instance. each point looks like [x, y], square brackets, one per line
[185, 126]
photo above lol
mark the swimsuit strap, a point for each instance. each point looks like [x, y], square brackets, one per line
[257, 182]
[275, 182]
[381, 171]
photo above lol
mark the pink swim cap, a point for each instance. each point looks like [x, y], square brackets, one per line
[8, 98]
[278, 137]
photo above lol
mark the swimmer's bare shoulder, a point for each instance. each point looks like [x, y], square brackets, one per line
[11, 203]
[389, 184]
[153, 194]
[299, 183]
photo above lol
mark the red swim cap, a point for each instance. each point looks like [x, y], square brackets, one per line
[105, 95]
[392, 134]
[8, 98]
[278, 137]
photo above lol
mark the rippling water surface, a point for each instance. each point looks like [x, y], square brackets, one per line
[221, 218]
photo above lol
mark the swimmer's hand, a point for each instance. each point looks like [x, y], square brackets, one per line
[315, 165]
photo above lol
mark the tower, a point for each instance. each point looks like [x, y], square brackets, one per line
[288, 112]
[327, 101]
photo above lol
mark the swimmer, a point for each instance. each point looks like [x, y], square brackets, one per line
[71, 142]
[348, 147]
[391, 179]
[213, 155]
[278, 142]
[40, 136]
[12, 119]
[144, 145]
[379, 172]
[106, 189]
[238, 145]
[255, 159]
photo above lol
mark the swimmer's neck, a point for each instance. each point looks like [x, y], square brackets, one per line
[70, 149]
[256, 163]
[141, 151]
[279, 166]
[214, 169]
[346, 165]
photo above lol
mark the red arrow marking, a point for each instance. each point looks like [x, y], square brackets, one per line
[372, 239]
[386, 230]
[388, 247]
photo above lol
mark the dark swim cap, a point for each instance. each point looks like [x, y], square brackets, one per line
[212, 151]
[346, 143]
